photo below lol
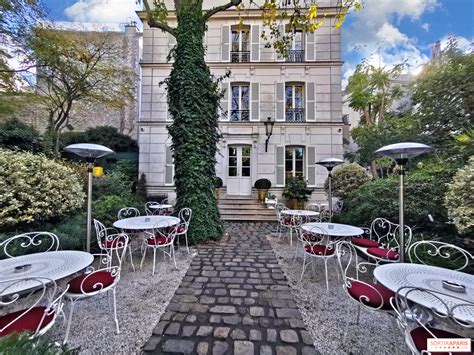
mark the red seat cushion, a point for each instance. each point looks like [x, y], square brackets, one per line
[420, 336]
[95, 282]
[113, 243]
[158, 240]
[370, 296]
[383, 253]
[29, 322]
[288, 222]
[177, 229]
[319, 250]
[365, 243]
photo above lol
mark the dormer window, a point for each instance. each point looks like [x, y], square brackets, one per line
[240, 50]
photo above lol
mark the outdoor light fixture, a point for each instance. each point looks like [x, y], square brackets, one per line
[401, 153]
[329, 164]
[90, 152]
[268, 130]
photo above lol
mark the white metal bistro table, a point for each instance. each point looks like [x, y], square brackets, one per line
[334, 229]
[159, 206]
[301, 213]
[52, 264]
[143, 223]
[397, 275]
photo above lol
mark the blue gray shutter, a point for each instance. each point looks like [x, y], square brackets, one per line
[255, 102]
[309, 51]
[225, 102]
[255, 47]
[310, 102]
[279, 101]
[225, 48]
[171, 44]
[311, 163]
[169, 166]
[280, 166]
[278, 56]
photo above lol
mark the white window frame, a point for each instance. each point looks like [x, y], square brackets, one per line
[303, 98]
[240, 39]
[239, 85]
[293, 167]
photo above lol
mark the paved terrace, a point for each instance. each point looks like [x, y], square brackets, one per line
[234, 299]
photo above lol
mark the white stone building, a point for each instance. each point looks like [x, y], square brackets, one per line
[301, 93]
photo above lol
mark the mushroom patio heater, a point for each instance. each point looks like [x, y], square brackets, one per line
[329, 164]
[401, 153]
[91, 152]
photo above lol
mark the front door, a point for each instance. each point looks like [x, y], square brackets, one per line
[238, 179]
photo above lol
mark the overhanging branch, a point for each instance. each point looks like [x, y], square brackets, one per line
[156, 24]
[217, 9]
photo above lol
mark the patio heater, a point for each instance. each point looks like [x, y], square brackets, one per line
[401, 153]
[329, 164]
[91, 152]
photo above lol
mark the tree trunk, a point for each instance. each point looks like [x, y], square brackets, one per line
[193, 101]
[373, 169]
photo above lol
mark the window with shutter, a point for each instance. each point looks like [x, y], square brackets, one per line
[311, 162]
[225, 48]
[310, 102]
[280, 102]
[255, 37]
[294, 102]
[169, 166]
[310, 46]
[255, 108]
[240, 103]
[225, 102]
[280, 166]
[240, 47]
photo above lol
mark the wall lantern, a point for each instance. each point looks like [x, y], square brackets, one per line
[401, 152]
[268, 130]
[90, 152]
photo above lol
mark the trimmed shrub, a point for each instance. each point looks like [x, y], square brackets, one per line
[424, 194]
[71, 232]
[218, 183]
[14, 344]
[296, 189]
[19, 135]
[105, 208]
[460, 199]
[346, 179]
[34, 188]
[263, 184]
[104, 135]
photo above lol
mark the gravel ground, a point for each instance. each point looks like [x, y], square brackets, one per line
[141, 300]
[324, 312]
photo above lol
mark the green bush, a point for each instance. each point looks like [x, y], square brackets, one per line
[460, 199]
[141, 187]
[34, 188]
[424, 194]
[22, 343]
[346, 179]
[296, 189]
[71, 232]
[19, 135]
[218, 183]
[263, 184]
[106, 207]
[104, 135]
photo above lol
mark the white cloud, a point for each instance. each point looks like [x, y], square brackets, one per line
[464, 44]
[374, 34]
[102, 11]
[426, 26]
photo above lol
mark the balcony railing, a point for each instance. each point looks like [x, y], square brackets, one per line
[239, 115]
[240, 57]
[295, 56]
[294, 115]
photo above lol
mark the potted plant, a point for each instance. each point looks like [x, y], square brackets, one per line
[271, 200]
[262, 186]
[296, 192]
[218, 184]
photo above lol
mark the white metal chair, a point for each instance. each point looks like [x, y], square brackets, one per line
[316, 245]
[161, 240]
[370, 295]
[98, 281]
[45, 303]
[431, 252]
[181, 229]
[28, 243]
[108, 239]
[128, 212]
[381, 241]
[417, 331]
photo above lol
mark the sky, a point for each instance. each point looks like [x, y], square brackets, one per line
[384, 32]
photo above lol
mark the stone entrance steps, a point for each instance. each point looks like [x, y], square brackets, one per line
[236, 208]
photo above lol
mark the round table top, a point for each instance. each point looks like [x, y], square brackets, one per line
[334, 229]
[146, 222]
[305, 213]
[52, 264]
[396, 275]
[158, 206]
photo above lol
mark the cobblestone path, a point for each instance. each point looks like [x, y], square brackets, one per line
[234, 299]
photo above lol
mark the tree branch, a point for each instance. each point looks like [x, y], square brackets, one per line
[156, 24]
[217, 9]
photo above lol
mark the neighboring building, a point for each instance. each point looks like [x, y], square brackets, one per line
[301, 93]
[85, 114]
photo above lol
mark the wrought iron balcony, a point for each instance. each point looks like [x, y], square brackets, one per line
[240, 57]
[240, 115]
[294, 114]
[295, 56]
